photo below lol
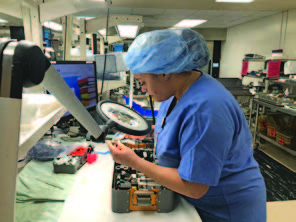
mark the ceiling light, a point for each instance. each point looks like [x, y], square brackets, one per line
[102, 32]
[53, 26]
[127, 31]
[86, 18]
[235, 1]
[3, 21]
[190, 23]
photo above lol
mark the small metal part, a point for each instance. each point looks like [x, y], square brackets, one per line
[134, 182]
[137, 192]
[142, 185]
[151, 186]
[145, 154]
[144, 201]
[125, 186]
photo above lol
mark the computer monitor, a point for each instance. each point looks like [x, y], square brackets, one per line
[81, 77]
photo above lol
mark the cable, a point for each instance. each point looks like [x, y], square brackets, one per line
[152, 109]
[65, 42]
[108, 81]
[102, 153]
[281, 31]
[287, 19]
[105, 51]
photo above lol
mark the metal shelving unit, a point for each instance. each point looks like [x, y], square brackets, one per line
[275, 108]
[257, 103]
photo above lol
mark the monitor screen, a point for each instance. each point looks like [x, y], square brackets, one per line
[81, 78]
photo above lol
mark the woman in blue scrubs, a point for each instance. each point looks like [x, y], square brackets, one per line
[203, 142]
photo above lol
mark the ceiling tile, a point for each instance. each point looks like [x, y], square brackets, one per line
[121, 11]
[160, 23]
[158, 17]
[165, 18]
[147, 11]
[178, 12]
[92, 12]
[203, 13]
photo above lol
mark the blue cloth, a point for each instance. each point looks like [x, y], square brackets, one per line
[167, 51]
[45, 150]
[207, 138]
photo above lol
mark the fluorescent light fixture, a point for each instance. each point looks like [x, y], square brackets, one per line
[53, 26]
[235, 1]
[86, 18]
[127, 31]
[102, 32]
[3, 21]
[190, 23]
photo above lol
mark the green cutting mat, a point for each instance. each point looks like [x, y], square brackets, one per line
[40, 193]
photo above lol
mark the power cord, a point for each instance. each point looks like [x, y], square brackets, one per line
[152, 109]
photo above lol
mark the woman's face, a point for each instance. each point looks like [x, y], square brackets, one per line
[156, 86]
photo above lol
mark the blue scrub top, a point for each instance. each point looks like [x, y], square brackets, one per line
[207, 138]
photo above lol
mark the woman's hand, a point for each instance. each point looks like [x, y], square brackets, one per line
[123, 154]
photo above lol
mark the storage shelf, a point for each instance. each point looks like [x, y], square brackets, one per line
[286, 83]
[255, 60]
[277, 108]
[273, 141]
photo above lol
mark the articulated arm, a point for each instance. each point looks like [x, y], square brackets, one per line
[25, 65]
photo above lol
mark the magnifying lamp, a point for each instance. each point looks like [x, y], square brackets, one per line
[25, 65]
[122, 118]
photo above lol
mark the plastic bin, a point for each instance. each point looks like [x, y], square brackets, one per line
[262, 123]
[118, 47]
[144, 112]
[271, 131]
[288, 121]
[274, 124]
[287, 138]
[273, 68]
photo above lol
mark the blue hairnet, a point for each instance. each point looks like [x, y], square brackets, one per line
[167, 51]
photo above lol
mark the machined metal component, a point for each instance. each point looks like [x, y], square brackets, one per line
[144, 193]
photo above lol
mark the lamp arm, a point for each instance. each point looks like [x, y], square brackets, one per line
[25, 65]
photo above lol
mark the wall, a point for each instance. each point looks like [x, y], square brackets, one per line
[260, 37]
[290, 43]
[210, 34]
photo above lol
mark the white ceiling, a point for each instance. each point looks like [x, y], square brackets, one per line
[166, 13]
[257, 5]
[170, 17]
[13, 21]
